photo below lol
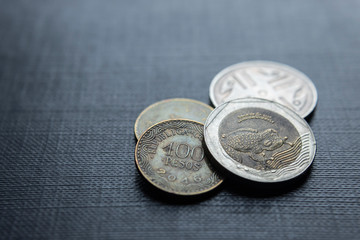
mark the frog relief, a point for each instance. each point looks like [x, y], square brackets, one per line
[253, 142]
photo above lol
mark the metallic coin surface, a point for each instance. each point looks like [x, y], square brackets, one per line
[259, 140]
[175, 108]
[170, 155]
[268, 80]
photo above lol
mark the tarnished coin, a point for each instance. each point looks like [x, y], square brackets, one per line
[170, 155]
[268, 80]
[175, 108]
[259, 140]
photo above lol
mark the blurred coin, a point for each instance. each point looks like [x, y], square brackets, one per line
[259, 140]
[170, 156]
[175, 108]
[269, 80]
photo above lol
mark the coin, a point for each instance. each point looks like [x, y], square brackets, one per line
[259, 140]
[269, 80]
[175, 108]
[170, 155]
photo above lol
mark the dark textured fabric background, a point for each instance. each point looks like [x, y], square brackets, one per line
[74, 75]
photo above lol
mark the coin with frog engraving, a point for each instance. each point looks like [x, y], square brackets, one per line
[170, 155]
[175, 108]
[268, 80]
[259, 140]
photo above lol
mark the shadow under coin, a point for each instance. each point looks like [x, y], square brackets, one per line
[248, 188]
[309, 117]
[244, 187]
[172, 199]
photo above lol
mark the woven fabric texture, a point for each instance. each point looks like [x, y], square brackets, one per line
[74, 75]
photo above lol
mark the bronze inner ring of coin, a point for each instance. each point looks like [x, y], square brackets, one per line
[259, 139]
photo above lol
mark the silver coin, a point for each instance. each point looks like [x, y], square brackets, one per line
[268, 80]
[259, 140]
[175, 108]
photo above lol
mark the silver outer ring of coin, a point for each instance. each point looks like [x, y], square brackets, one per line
[280, 66]
[296, 168]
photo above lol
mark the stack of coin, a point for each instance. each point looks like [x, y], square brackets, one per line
[256, 131]
[169, 152]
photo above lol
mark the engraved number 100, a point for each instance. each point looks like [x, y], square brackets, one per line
[183, 150]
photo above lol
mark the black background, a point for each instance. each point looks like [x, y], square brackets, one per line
[74, 75]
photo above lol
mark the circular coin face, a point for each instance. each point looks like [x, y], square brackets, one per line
[259, 140]
[268, 80]
[170, 155]
[176, 108]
